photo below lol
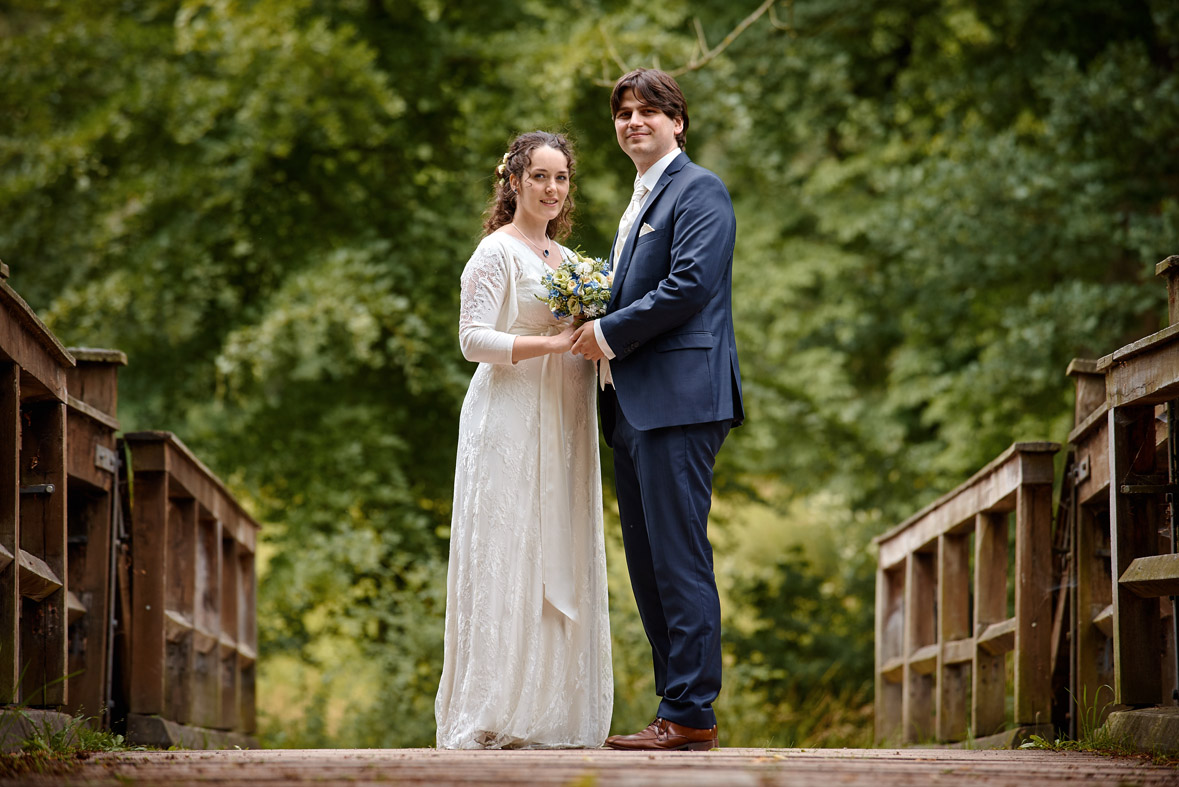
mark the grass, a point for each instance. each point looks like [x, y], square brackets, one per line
[57, 750]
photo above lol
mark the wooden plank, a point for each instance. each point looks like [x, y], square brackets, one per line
[998, 638]
[1094, 589]
[991, 488]
[959, 651]
[924, 660]
[1152, 576]
[1133, 527]
[26, 341]
[988, 672]
[164, 451]
[893, 670]
[44, 642]
[90, 579]
[207, 614]
[1104, 620]
[230, 683]
[149, 539]
[917, 699]
[37, 580]
[1145, 372]
[953, 623]
[93, 413]
[9, 531]
[84, 438]
[180, 595]
[1094, 449]
[95, 378]
[1033, 606]
[1090, 385]
[75, 609]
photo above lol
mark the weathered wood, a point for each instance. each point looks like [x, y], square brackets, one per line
[95, 379]
[1152, 576]
[1169, 269]
[43, 537]
[1145, 372]
[37, 580]
[26, 341]
[1092, 451]
[960, 651]
[149, 541]
[1033, 605]
[992, 488]
[890, 658]
[164, 452]
[924, 659]
[953, 623]
[1133, 524]
[988, 673]
[998, 638]
[85, 436]
[1103, 621]
[920, 630]
[725, 766]
[10, 530]
[230, 676]
[1090, 387]
[180, 596]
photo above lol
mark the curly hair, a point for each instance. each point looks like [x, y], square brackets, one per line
[516, 162]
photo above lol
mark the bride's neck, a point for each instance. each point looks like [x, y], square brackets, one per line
[534, 228]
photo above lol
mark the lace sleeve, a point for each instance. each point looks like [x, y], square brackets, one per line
[487, 295]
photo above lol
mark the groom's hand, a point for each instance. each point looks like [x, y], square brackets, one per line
[585, 343]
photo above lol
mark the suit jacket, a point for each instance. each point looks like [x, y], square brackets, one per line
[670, 318]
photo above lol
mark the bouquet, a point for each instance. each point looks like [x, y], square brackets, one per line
[579, 287]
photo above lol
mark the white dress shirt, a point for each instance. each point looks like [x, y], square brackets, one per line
[648, 179]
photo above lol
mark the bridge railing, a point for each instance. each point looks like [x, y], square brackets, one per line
[945, 619]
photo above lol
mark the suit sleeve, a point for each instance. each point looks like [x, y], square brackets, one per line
[704, 232]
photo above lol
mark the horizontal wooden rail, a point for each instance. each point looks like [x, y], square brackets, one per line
[1152, 576]
[37, 580]
[934, 679]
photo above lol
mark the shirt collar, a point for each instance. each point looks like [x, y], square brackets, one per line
[652, 175]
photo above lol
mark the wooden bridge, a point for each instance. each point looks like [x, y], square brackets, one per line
[736, 767]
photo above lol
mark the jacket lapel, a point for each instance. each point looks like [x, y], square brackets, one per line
[628, 248]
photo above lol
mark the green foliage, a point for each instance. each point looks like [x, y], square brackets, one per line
[267, 204]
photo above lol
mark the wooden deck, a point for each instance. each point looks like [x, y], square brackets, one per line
[827, 767]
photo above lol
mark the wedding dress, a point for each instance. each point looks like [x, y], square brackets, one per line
[527, 643]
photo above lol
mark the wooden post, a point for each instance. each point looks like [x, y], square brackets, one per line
[43, 541]
[148, 556]
[1137, 631]
[1094, 680]
[1170, 269]
[920, 630]
[229, 616]
[181, 592]
[1033, 605]
[989, 674]
[890, 630]
[207, 624]
[9, 532]
[953, 623]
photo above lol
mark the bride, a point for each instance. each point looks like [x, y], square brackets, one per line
[527, 645]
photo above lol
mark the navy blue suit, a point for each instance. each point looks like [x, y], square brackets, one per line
[676, 394]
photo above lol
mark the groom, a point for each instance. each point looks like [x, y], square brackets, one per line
[672, 392]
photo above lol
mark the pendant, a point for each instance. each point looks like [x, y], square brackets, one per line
[546, 253]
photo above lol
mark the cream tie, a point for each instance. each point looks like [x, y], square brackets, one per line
[628, 218]
[624, 227]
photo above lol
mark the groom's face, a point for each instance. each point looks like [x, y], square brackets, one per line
[644, 132]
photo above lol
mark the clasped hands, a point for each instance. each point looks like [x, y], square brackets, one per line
[585, 343]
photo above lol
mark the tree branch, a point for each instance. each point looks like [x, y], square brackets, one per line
[702, 55]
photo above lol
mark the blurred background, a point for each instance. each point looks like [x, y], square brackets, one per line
[267, 204]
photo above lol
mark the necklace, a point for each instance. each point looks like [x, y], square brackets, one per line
[520, 232]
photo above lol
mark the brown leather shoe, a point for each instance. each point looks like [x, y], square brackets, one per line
[664, 735]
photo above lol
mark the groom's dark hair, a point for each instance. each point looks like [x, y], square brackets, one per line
[657, 89]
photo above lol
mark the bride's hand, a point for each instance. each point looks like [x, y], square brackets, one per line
[563, 341]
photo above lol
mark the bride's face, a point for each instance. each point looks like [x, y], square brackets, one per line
[541, 194]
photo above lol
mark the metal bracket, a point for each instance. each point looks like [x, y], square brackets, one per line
[105, 458]
[1081, 471]
[38, 489]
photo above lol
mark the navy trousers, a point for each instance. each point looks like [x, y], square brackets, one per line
[663, 479]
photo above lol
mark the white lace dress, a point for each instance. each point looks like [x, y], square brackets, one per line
[527, 647]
